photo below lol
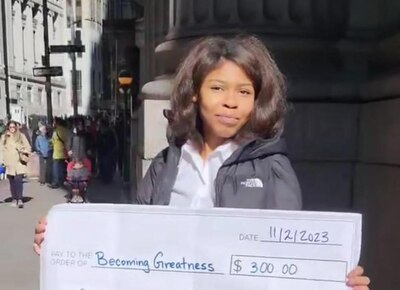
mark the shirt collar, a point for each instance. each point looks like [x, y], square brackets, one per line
[224, 151]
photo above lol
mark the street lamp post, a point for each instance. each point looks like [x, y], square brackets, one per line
[47, 63]
[74, 79]
[125, 80]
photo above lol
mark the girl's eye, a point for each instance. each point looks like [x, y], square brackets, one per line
[216, 88]
[244, 92]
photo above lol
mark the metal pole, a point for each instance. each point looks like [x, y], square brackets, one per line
[47, 63]
[74, 85]
[115, 93]
[74, 80]
[4, 27]
[125, 151]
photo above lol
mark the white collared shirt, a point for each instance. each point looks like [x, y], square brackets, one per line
[194, 184]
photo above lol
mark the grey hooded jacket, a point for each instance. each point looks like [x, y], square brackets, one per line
[257, 175]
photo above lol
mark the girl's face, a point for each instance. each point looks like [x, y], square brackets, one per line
[226, 101]
[12, 128]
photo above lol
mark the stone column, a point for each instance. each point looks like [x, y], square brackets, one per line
[295, 30]
[17, 36]
[147, 73]
[39, 36]
[377, 172]
[50, 22]
[340, 59]
[29, 37]
[56, 19]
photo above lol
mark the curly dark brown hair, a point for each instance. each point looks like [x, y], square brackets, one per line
[249, 53]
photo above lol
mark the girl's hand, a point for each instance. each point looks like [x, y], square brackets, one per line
[356, 281]
[39, 235]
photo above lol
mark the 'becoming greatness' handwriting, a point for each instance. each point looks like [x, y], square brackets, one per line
[158, 264]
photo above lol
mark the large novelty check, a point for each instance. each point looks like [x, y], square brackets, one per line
[124, 247]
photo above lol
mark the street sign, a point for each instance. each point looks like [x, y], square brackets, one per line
[67, 48]
[52, 71]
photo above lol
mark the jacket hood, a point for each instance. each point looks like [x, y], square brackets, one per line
[250, 150]
[257, 148]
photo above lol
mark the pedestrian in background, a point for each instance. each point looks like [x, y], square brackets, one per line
[106, 151]
[77, 141]
[15, 153]
[26, 132]
[91, 134]
[42, 146]
[58, 140]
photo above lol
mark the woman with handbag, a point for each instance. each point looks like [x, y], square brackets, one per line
[16, 150]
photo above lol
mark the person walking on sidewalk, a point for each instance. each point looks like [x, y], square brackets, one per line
[42, 145]
[15, 149]
[77, 142]
[59, 139]
[106, 151]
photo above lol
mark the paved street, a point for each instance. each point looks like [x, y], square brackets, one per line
[19, 266]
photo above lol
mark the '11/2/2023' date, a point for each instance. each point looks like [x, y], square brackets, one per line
[297, 236]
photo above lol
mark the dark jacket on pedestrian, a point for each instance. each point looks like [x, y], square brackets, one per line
[257, 175]
[77, 144]
[42, 145]
[106, 143]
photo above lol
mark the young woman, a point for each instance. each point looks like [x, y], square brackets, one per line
[226, 119]
[15, 151]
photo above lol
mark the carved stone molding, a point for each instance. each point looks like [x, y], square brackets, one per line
[321, 18]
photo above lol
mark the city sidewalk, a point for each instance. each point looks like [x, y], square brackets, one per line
[19, 265]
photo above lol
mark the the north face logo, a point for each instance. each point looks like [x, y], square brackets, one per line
[252, 182]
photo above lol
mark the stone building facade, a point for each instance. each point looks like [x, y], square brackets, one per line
[84, 26]
[24, 25]
[69, 22]
[341, 62]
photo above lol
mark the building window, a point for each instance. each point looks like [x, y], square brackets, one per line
[39, 96]
[104, 15]
[95, 50]
[44, 98]
[55, 28]
[35, 59]
[59, 98]
[78, 40]
[12, 40]
[18, 96]
[29, 95]
[99, 82]
[69, 12]
[78, 86]
[126, 9]
[110, 10]
[93, 9]
[98, 9]
[23, 45]
[78, 13]
[93, 83]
